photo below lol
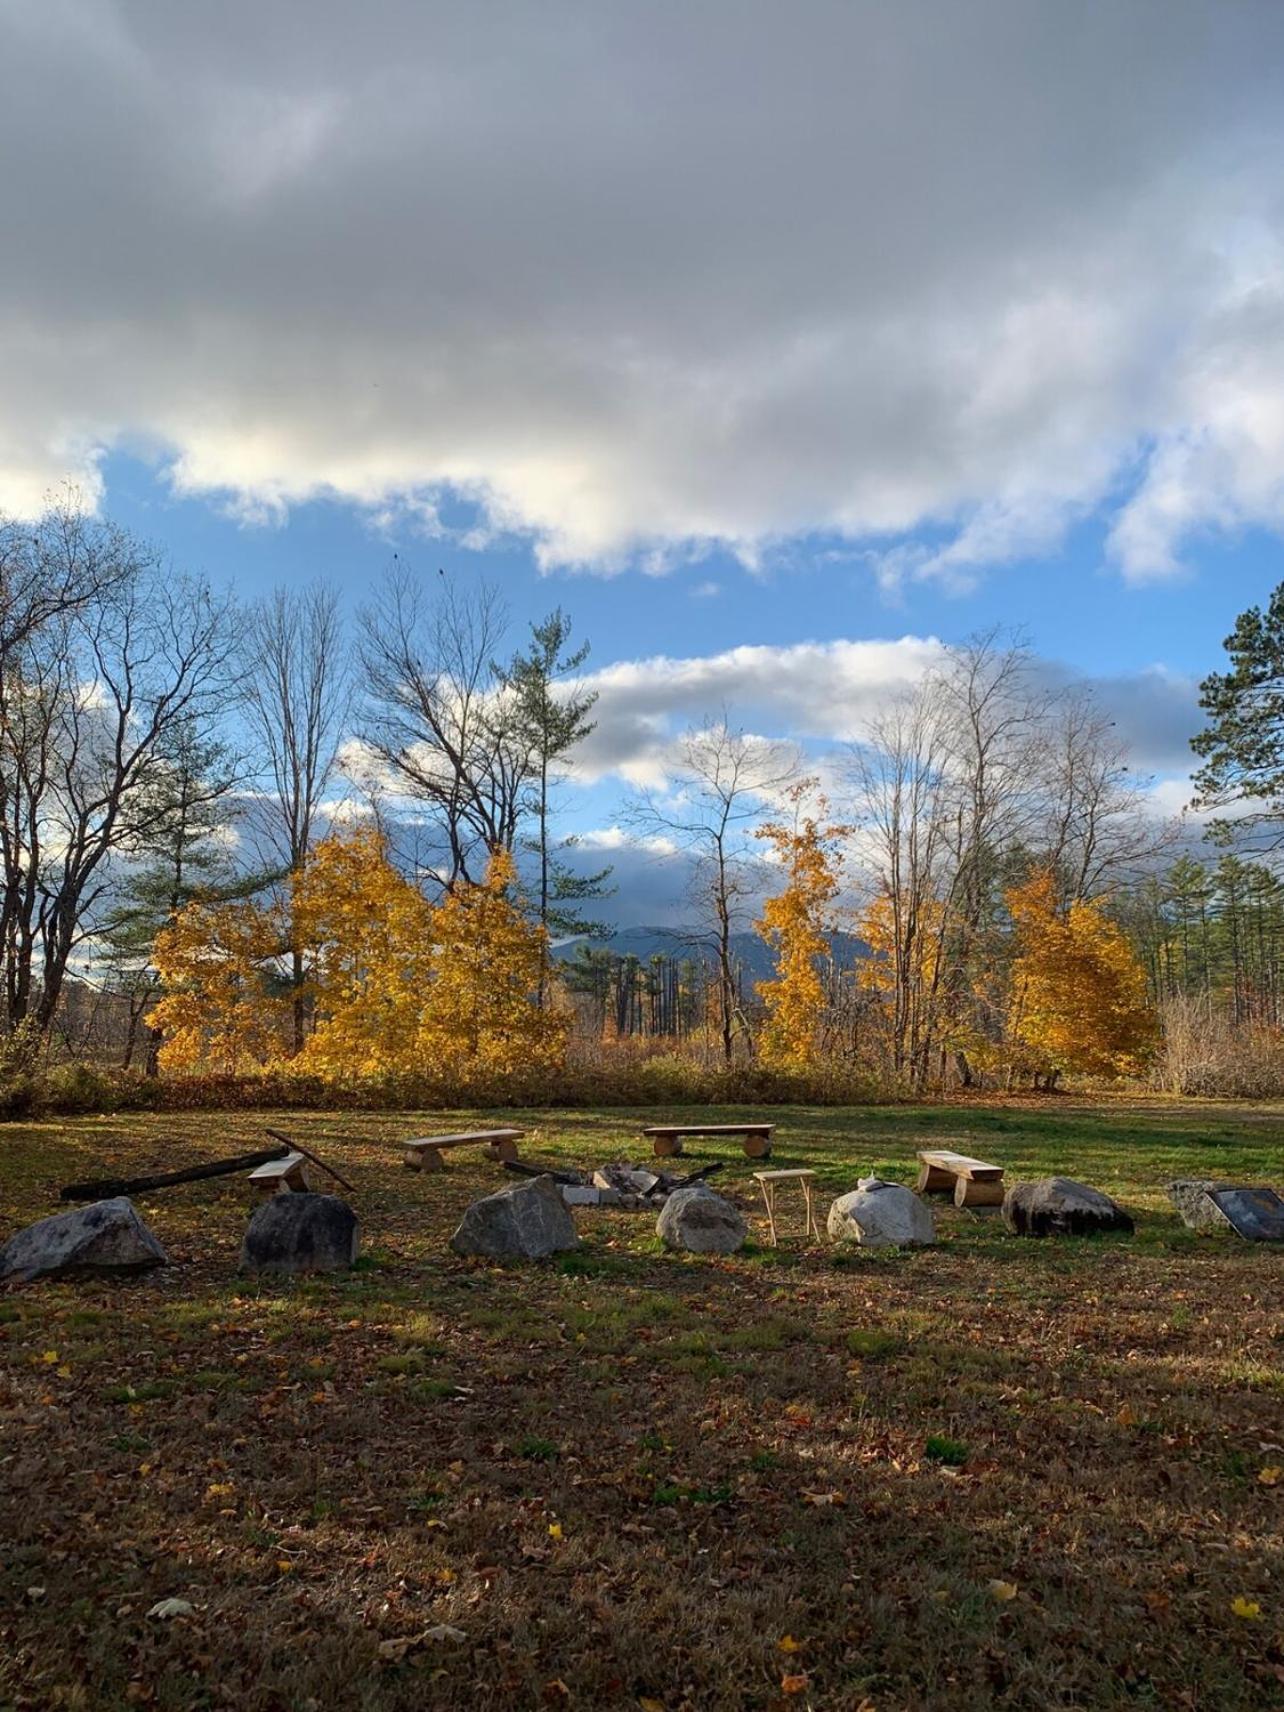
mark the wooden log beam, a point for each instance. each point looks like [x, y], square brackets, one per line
[298, 1147]
[106, 1187]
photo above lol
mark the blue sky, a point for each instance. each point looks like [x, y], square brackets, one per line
[775, 343]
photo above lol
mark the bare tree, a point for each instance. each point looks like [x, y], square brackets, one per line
[904, 815]
[88, 701]
[296, 695]
[54, 567]
[439, 720]
[1099, 829]
[725, 778]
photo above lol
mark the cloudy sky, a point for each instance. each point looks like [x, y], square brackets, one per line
[777, 342]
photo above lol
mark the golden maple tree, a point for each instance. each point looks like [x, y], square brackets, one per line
[1078, 997]
[217, 1007]
[795, 924]
[488, 960]
[368, 937]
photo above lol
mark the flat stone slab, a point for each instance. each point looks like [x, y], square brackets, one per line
[1255, 1214]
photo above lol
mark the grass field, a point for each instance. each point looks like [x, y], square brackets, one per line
[995, 1473]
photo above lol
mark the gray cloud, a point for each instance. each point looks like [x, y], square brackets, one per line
[644, 278]
[826, 692]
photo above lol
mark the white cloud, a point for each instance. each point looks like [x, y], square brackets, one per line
[641, 279]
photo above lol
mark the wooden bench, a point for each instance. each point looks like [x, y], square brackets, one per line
[281, 1176]
[972, 1182]
[424, 1153]
[667, 1138]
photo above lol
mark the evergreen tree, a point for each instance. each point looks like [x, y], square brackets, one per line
[550, 722]
[180, 858]
[1242, 747]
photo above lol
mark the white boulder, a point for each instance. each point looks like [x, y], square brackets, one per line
[877, 1214]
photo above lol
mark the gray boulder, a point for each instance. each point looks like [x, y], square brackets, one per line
[525, 1222]
[877, 1214]
[1190, 1196]
[106, 1237]
[301, 1233]
[1058, 1206]
[701, 1222]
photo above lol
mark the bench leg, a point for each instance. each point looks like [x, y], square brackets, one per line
[502, 1150]
[758, 1146]
[667, 1146]
[933, 1181]
[970, 1194]
[424, 1159]
[812, 1229]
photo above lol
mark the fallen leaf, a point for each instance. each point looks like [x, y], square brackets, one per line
[793, 1684]
[400, 1645]
[1003, 1590]
[787, 1644]
[50, 1357]
[1248, 1609]
[820, 1498]
[1127, 1416]
[556, 1690]
[1268, 1476]
[646, 1704]
[165, 1608]
[554, 1530]
[64, 1372]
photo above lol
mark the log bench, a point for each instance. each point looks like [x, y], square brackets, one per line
[972, 1182]
[281, 1176]
[424, 1152]
[667, 1139]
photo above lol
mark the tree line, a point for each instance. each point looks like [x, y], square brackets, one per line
[206, 803]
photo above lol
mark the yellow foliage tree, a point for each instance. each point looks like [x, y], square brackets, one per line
[794, 924]
[1078, 999]
[368, 937]
[487, 964]
[217, 1008]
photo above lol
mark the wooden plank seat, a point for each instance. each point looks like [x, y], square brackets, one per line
[768, 1182]
[424, 1152]
[281, 1176]
[972, 1182]
[667, 1138]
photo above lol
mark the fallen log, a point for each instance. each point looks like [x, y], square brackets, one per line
[298, 1147]
[671, 1186]
[571, 1178]
[107, 1187]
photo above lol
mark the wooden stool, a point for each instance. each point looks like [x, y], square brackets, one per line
[768, 1181]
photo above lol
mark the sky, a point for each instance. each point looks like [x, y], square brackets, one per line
[778, 344]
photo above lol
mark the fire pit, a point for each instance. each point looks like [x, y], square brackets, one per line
[630, 1188]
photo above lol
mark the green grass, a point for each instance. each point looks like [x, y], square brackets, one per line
[627, 1476]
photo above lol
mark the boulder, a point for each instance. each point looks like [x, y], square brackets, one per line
[301, 1233]
[104, 1238]
[1058, 1206]
[701, 1222]
[1190, 1197]
[877, 1214]
[525, 1222]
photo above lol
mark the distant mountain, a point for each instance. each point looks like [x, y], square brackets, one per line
[752, 953]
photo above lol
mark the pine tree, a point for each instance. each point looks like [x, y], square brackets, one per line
[549, 723]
